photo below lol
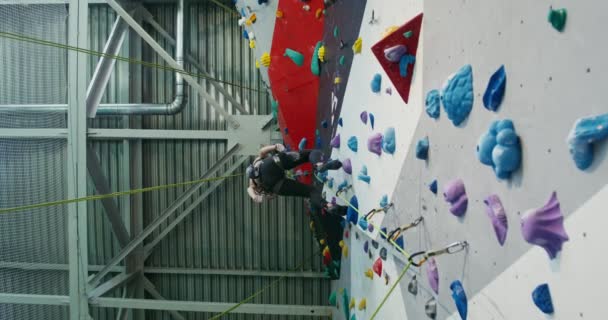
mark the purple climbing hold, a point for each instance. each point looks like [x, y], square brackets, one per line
[394, 53]
[545, 227]
[455, 193]
[497, 215]
[432, 274]
[352, 144]
[366, 246]
[584, 134]
[433, 186]
[363, 175]
[371, 120]
[370, 227]
[388, 143]
[335, 142]
[363, 117]
[374, 143]
[347, 166]
[495, 91]
[457, 95]
[376, 83]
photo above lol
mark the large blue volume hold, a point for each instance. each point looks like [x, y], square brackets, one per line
[351, 213]
[457, 95]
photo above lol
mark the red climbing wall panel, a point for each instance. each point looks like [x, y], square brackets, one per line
[295, 88]
[402, 85]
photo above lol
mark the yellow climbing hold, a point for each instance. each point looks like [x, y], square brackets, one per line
[369, 273]
[326, 250]
[322, 241]
[257, 64]
[341, 244]
[337, 80]
[252, 44]
[362, 304]
[352, 303]
[321, 53]
[318, 13]
[279, 14]
[312, 223]
[345, 252]
[357, 45]
[265, 60]
[251, 19]
[389, 30]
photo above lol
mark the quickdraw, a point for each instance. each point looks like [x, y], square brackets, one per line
[425, 255]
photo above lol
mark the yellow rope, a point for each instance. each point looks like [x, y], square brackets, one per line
[113, 194]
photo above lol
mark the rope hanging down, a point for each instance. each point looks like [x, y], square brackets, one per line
[23, 38]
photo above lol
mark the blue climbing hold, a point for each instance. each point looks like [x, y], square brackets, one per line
[495, 91]
[286, 130]
[384, 201]
[457, 95]
[352, 143]
[302, 144]
[243, 14]
[376, 84]
[542, 298]
[460, 298]
[433, 102]
[245, 34]
[345, 302]
[500, 148]
[363, 223]
[340, 122]
[400, 242]
[351, 213]
[363, 175]
[371, 120]
[383, 233]
[404, 62]
[583, 135]
[318, 142]
[342, 185]
[433, 186]
[260, 2]
[324, 124]
[422, 148]
[388, 143]
[330, 183]
[323, 175]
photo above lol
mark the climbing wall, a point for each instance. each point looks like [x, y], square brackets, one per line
[553, 78]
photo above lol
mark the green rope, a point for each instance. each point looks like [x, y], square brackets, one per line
[409, 264]
[113, 194]
[24, 38]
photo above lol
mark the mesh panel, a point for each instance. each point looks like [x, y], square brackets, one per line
[32, 73]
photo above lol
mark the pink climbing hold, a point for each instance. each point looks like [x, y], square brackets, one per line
[378, 267]
[374, 143]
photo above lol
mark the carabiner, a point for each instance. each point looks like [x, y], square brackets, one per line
[450, 249]
[371, 213]
[393, 235]
[343, 190]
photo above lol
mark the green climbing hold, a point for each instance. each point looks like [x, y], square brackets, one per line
[557, 18]
[408, 34]
[315, 66]
[295, 56]
[336, 32]
[274, 105]
[342, 60]
[332, 299]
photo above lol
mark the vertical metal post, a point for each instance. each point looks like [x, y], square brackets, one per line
[77, 168]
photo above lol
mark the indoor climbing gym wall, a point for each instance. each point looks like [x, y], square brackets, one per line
[496, 168]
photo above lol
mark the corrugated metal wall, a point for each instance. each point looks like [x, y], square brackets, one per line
[227, 231]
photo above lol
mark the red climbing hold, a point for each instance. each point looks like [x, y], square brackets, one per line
[378, 267]
[402, 84]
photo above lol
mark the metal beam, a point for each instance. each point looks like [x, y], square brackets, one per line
[162, 218]
[118, 134]
[40, 299]
[149, 286]
[116, 281]
[110, 207]
[149, 18]
[196, 306]
[174, 64]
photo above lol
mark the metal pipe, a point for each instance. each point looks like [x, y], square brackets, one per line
[122, 109]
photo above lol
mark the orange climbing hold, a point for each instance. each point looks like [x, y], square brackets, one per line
[318, 13]
[279, 14]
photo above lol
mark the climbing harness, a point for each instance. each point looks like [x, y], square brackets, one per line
[393, 235]
[425, 255]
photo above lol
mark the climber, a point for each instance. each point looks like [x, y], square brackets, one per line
[267, 172]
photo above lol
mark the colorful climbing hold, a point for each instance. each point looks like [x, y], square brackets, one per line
[257, 64]
[252, 44]
[455, 193]
[404, 62]
[324, 124]
[498, 217]
[432, 274]
[363, 117]
[245, 34]
[351, 213]
[265, 59]
[545, 227]
[383, 201]
[377, 267]
[557, 18]
[315, 66]
[370, 227]
[302, 144]
[345, 302]
[460, 298]
[335, 141]
[422, 148]
[389, 91]
[542, 298]
[344, 247]
[376, 83]
[363, 175]
[389, 143]
[295, 56]
[383, 233]
[342, 60]
[332, 299]
[374, 143]
[500, 148]
[386, 278]
[336, 32]
[387, 32]
[412, 287]
[330, 183]
[351, 304]
[279, 14]
[363, 223]
[375, 244]
[383, 253]
[357, 45]
[321, 53]
[408, 34]
[347, 166]
[433, 186]
[306, 7]
[366, 246]
[400, 242]
[362, 304]
[369, 273]
[318, 13]
[430, 308]
[582, 137]
[394, 53]
[371, 120]
[352, 143]
[433, 101]
[337, 80]
[495, 91]
[457, 95]
[260, 2]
